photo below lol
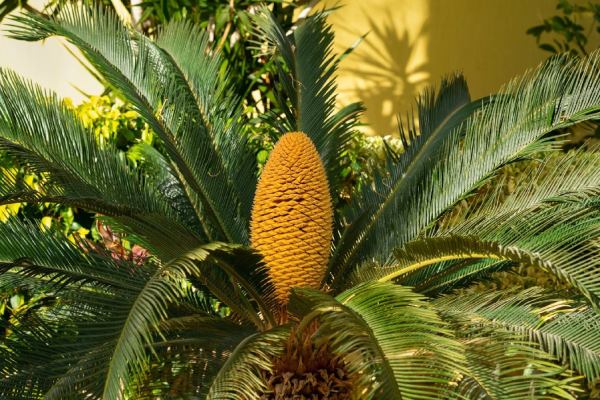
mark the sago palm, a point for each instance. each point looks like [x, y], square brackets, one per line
[271, 288]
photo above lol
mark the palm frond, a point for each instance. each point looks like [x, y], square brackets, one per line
[502, 367]
[445, 276]
[515, 124]
[389, 336]
[37, 128]
[438, 114]
[107, 312]
[560, 327]
[559, 178]
[560, 240]
[240, 377]
[236, 277]
[191, 351]
[307, 68]
[187, 46]
[154, 84]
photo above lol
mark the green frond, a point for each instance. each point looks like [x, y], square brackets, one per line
[240, 377]
[446, 276]
[560, 240]
[560, 327]
[515, 124]
[148, 78]
[37, 125]
[191, 351]
[186, 45]
[307, 68]
[502, 367]
[438, 115]
[39, 129]
[107, 312]
[158, 172]
[236, 277]
[557, 177]
[389, 336]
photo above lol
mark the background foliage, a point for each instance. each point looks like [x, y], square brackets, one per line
[570, 30]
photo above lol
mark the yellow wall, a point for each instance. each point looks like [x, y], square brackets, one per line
[47, 63]
[413, 43]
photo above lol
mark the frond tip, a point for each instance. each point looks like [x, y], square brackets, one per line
[292, 215]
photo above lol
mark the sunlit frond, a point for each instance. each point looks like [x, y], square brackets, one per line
[511, 126]
[559, 327]
[153, 83]
[397, 345]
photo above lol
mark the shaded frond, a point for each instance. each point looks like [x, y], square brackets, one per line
[237, 278]
[191, 351]
[106, 314]
[241, 378]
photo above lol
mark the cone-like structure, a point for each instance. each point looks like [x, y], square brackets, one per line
[308, 371]
[292, 215]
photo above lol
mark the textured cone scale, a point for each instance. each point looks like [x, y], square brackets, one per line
[292, 216]
[308, 371]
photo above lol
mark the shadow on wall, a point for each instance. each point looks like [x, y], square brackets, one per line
[387, 82]
[414, 44]
[377, 72]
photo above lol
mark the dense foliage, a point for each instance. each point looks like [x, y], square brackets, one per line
[571, 29]
[188, 310]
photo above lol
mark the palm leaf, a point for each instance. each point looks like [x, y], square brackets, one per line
[186, 45]
[240, 377]
[560, 241]
[107, 313]
[515, 124]
[191, 351]
[232, 268]
[153, 83]
[307, 67]
[439, 113]
[560, 178]
[389, 336]
[38, 129]
[566, 332]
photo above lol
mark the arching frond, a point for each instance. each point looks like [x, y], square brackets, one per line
[106, 313]
[155, 85]
[240, 377]
[557, 177]
[237, 279]
[560, 328]
[186, 45]
[396, 344]
[190, 353]
[560, 240]
[516, 123]
[503, 367]
[438, 114]
[37, 127]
